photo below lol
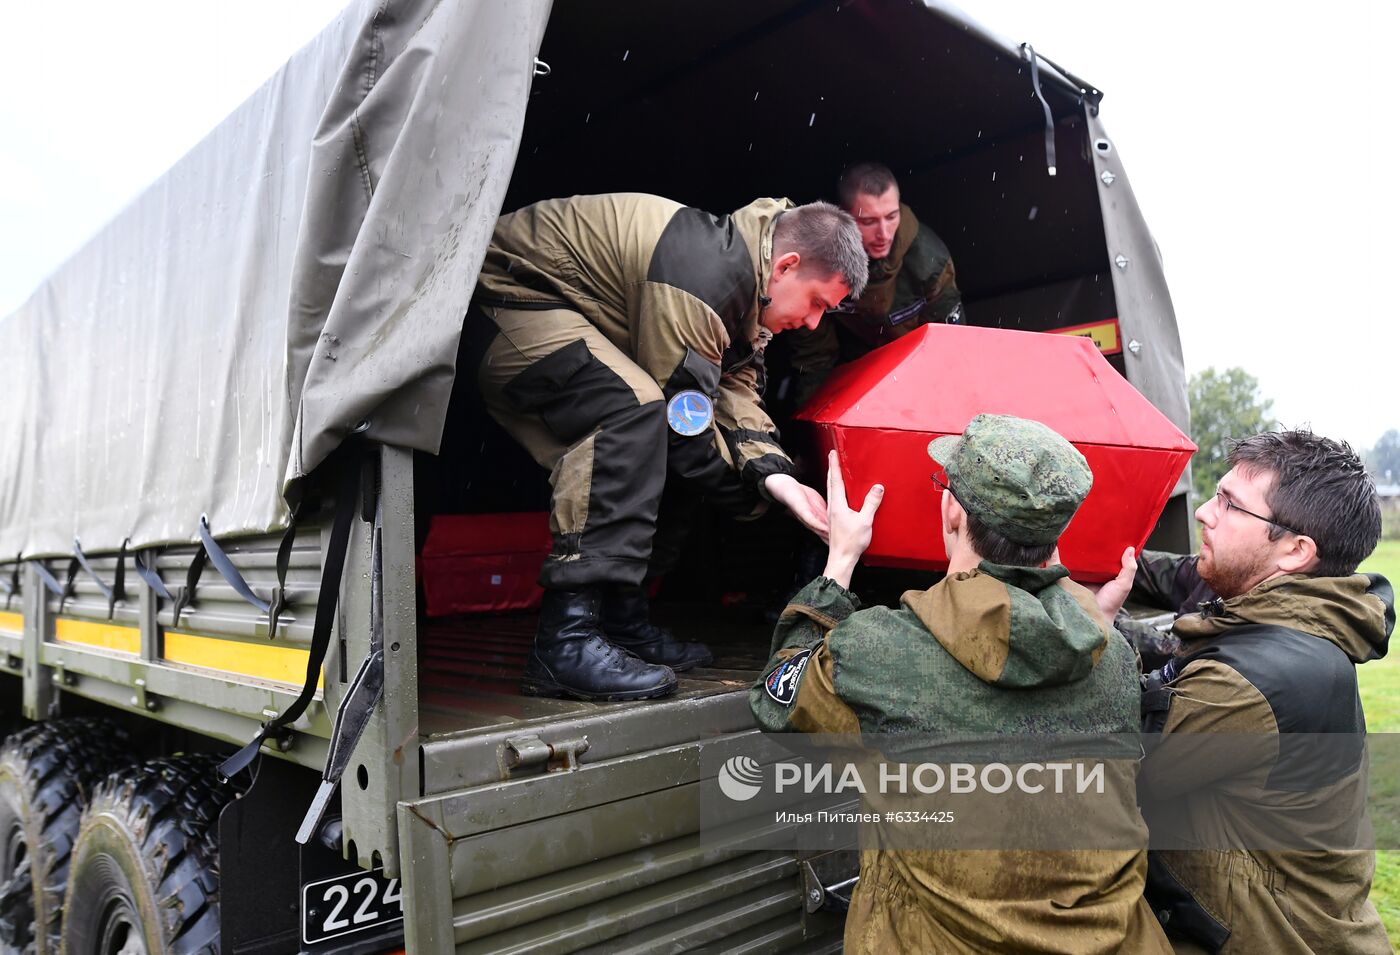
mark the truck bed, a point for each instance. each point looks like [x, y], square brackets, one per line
[471, 667]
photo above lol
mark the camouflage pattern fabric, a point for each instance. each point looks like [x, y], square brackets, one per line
[1016, 476]
[998, 650]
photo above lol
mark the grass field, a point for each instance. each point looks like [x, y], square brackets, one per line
[1380, 695]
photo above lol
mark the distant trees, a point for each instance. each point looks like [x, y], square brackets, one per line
[1383, 461]
[1224, 405]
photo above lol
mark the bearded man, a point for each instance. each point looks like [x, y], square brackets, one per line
[1258, 828]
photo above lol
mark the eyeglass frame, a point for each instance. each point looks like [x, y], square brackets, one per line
[1230, 505]
[945, 486]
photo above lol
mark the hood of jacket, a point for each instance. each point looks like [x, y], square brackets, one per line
[1016, 627]
[755, 223]
[1356, 613]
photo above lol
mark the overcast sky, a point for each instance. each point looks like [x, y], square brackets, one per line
[1261, 146]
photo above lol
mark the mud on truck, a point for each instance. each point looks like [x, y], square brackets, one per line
[232, 420]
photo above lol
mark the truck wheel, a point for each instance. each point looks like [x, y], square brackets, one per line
[144, 878]
[46, 774]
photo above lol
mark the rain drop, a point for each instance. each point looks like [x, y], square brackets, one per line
[812, 120]
[624, 55]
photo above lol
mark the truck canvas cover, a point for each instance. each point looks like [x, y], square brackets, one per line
[302, 269]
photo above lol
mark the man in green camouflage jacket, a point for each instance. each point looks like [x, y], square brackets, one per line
[1001, 646]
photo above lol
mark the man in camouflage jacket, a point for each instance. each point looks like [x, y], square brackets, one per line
[912, 281]
[1001, 647]
[601, 321]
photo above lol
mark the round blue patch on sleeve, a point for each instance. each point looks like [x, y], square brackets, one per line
[690, 413]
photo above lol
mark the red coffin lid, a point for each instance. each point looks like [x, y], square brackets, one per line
[962, 371]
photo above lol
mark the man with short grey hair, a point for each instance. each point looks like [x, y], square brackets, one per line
[622, 339]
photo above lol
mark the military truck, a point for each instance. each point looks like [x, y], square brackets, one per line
[231, 418]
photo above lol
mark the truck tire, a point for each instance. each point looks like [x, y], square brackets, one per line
[47, 772]
[144, 876]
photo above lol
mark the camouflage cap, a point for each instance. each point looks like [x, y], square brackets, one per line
[1017, 477]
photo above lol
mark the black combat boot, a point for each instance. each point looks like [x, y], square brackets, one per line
[627, 622]
[573, 658]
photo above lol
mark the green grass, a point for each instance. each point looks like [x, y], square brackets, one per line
[1380, 695]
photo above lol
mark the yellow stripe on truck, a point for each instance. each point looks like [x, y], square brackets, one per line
[103, 636]
[260, 660]
[12, 623]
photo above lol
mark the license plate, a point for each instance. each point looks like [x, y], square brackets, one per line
[348, 904]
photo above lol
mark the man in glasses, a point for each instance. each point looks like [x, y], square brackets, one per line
[1005, 647]
[1278, 621]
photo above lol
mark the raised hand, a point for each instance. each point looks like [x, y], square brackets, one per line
[850, 530]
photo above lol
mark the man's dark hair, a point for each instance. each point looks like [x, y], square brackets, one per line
[828, 241]
[1321, 489]
[870, 178]
[993, 545]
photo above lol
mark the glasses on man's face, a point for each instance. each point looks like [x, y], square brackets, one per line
[1226, 504]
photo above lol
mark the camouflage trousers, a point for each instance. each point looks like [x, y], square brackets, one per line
[584, 410]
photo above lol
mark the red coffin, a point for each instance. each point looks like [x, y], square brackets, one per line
[484, 563]
[880, 413]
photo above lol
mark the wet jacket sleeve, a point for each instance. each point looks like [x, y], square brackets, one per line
[1164, 580]
[748, 432]
[680, 342]
[797, 692]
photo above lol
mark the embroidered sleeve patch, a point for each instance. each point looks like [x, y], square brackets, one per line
[781, 684]
[690, 413]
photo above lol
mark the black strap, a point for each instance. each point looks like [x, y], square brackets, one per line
[185, 595]
[51, 583]
[118, 581]
[225, 566]
[1049, 116]
[346, 494]
[279, 593]
[72, 575]
[14, 580]
[1156, 700]
[149, 575]
[82, 560]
